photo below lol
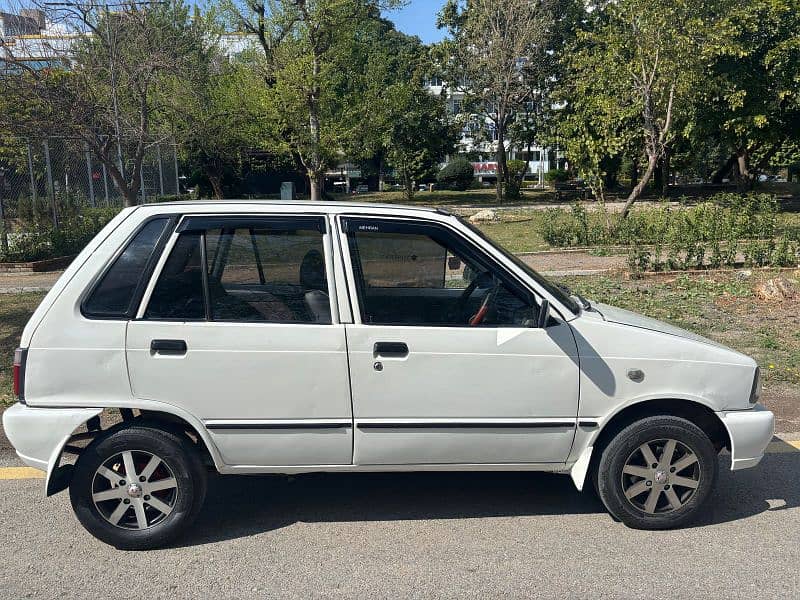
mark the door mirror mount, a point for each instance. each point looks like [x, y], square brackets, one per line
[544, 314]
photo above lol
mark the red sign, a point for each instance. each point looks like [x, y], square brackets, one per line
[485, 168]
[96, 175]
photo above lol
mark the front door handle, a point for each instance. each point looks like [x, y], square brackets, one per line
[390, 350]
[168, 347]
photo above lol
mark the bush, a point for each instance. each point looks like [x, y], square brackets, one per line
[724, 231]
[516, 172]
[457, 175]
[40, 241]
[556, 176]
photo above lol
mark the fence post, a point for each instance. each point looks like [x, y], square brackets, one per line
[177, 177]
[141, 182]
[91, 178]
[105, 184]
[3, 230]
[160, 169]
[51, 190]
[34, 191]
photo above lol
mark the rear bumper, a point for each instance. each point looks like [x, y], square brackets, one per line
[750, 432]
[39, 434]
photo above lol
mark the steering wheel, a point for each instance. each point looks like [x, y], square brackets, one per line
[461, 306]
[479, 316]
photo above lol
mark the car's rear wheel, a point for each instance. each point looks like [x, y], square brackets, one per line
[138, 487]
[657, 473]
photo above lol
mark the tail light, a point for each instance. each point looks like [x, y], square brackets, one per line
[755, 392]
[20, 354]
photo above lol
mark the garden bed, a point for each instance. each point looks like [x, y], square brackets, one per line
[37, 266]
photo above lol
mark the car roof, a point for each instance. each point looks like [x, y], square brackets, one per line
[323, 206]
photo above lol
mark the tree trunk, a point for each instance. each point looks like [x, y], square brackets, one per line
[408, 185]
[502, 169]
[636, 192]
[658, 175]
[634, 172]
[315, 185]
[744, 179]
[718, 175]
[315, 172]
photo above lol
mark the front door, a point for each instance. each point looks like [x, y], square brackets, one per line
[238, 330]
[447, 364]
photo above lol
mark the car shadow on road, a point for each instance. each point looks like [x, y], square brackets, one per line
[242, 506]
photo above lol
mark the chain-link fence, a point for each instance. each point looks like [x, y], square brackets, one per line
[40, 178]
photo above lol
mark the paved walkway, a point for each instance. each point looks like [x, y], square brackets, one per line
[15, 283]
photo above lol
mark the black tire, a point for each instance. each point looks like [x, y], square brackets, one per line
[180, 460]
[624, 449]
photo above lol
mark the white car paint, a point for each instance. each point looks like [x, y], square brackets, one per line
[559, 386]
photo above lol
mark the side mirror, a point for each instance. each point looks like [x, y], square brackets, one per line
[544, 314]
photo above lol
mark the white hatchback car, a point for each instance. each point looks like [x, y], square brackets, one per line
[256, 337]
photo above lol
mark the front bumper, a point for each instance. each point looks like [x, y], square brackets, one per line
[750, 432]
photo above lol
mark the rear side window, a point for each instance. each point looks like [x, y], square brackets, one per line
[117, 293]
[240, 270]
[179, 291]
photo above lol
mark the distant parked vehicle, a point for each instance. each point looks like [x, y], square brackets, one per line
[257, 337]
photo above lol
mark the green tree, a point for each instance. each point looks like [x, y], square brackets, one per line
[223, 114]
[750, 104]
[112, 89]
[302, 43]
[416, 135]
[633, 74]
[391, 120]
[494, 52]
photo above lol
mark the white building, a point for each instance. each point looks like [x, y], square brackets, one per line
[478, 136]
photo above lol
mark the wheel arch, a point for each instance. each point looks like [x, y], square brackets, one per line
[151, 413]
[693, 410]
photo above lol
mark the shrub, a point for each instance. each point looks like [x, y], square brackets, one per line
[40, 241]
[556, 176]
[727, 229]
[516, 172]
[458, 175]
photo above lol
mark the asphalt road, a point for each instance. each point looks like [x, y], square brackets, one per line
[423, 535]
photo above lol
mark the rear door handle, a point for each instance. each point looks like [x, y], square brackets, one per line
[390, 350]
[168, 347]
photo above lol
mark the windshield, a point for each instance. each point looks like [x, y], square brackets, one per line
[554, 290]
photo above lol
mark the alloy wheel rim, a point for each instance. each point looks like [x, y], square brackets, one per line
[661, 476]
[134, 490]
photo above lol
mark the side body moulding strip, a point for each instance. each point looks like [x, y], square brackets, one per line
[238, 424]
[545, 423]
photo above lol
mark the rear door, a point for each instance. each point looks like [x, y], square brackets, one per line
[446, 362]
[238, 327]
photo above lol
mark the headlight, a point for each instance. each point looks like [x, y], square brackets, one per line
[755, 393]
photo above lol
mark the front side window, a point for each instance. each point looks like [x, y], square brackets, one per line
[116, 294]
[259, 271]
[419, 274]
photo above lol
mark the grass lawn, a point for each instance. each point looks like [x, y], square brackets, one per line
[15, 310]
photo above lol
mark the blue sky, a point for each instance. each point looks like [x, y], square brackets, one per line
[419, 18]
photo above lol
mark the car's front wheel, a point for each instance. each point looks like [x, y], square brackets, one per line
[657, 473]
[139, 487]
